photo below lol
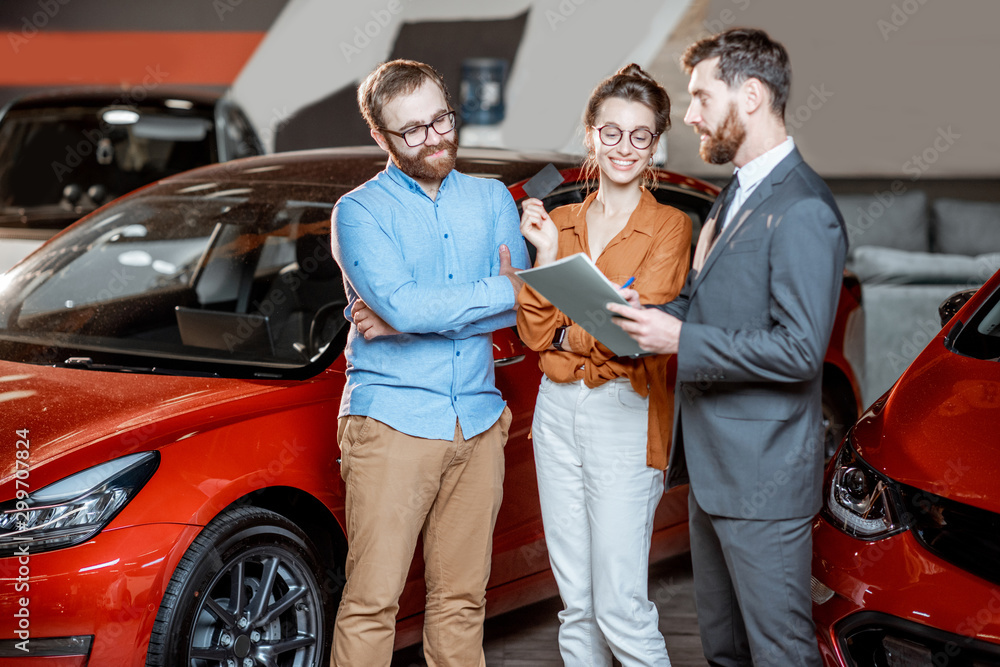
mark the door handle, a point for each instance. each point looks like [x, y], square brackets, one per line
[508, 361]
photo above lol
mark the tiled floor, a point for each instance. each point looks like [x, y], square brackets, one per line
[527, 637]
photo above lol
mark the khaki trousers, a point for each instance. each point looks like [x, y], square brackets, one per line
[400, 487]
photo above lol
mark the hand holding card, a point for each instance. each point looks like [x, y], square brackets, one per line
[544, 182]
[536, 225]
[539, 230]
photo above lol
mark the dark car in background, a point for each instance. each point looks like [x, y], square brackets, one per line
[170, 371]
[906, 563]
[65, 153]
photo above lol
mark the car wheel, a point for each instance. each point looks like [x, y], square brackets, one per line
[244, 594]
[838, 415]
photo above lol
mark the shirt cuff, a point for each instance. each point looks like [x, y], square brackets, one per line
[501, 293]
[577, 340]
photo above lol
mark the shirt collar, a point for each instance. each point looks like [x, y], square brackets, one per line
[644, 222]
[403, 179]
[641, 219]
[755, 171]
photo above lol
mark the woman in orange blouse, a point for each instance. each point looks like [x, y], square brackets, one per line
[601, 429]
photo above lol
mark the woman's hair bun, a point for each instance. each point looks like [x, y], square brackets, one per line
[634, 70]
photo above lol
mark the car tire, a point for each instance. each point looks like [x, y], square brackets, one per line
[838, 415]
[200, 623]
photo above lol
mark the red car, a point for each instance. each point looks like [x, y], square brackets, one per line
[170, 371]
[906, 567]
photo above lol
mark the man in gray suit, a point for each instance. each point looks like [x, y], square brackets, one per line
[750, 330]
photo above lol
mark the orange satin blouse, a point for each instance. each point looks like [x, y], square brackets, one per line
[655, 247]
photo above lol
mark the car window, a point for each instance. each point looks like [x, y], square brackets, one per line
[694, 203]
[76, 159]
[238, 134]
[563, 195]
[203, 277]
[980, 337]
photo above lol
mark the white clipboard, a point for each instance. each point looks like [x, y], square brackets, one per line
[577, 287]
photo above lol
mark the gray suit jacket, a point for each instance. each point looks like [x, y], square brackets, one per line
[757, 320]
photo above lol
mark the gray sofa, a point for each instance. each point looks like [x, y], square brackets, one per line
[909, 256]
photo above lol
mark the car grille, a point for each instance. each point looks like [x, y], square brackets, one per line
[966, 536]
[871, 639]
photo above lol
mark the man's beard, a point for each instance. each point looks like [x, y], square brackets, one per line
[418, 168]
[721, 146]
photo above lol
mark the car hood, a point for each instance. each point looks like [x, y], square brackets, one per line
[40, 223]
[76, 418]
[936, 429]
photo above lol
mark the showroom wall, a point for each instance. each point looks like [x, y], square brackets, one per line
[888, 87]
[317, 52]
[877, 84]
[883, 89]
[203, 43]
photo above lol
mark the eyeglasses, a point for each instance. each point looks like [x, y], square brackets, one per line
[417, 135]
[612, 136]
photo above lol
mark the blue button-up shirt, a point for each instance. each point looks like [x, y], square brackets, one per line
[430, 268]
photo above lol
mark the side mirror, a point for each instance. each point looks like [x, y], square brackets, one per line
[953, 303]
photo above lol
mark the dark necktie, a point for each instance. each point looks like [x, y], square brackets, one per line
[727, 199]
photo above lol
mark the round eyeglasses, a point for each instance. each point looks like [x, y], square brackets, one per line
[417, 134]
[611, 136]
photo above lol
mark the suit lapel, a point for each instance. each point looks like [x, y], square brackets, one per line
[749, 208]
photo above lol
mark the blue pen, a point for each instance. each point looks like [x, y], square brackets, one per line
[628, 283]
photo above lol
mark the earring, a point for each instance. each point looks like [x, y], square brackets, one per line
[650, 160]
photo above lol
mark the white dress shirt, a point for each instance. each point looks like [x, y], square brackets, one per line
[752, 173]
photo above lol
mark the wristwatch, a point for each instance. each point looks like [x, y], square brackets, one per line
[559, 337]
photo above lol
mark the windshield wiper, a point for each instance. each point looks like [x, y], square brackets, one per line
[88, 363]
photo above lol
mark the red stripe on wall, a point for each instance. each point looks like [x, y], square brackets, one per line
[131, 58]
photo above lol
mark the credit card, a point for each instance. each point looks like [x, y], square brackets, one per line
[544, 182]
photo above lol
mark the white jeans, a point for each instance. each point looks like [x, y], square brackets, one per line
[598, 498]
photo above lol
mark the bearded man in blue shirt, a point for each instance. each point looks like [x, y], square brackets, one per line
[428, 256]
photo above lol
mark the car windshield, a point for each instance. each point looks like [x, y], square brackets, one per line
[980, 337]
[230, 279]
[76, 159]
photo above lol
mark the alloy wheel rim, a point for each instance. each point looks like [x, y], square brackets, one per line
[261, 609]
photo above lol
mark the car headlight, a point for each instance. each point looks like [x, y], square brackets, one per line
[75, 508]
[861, 501]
